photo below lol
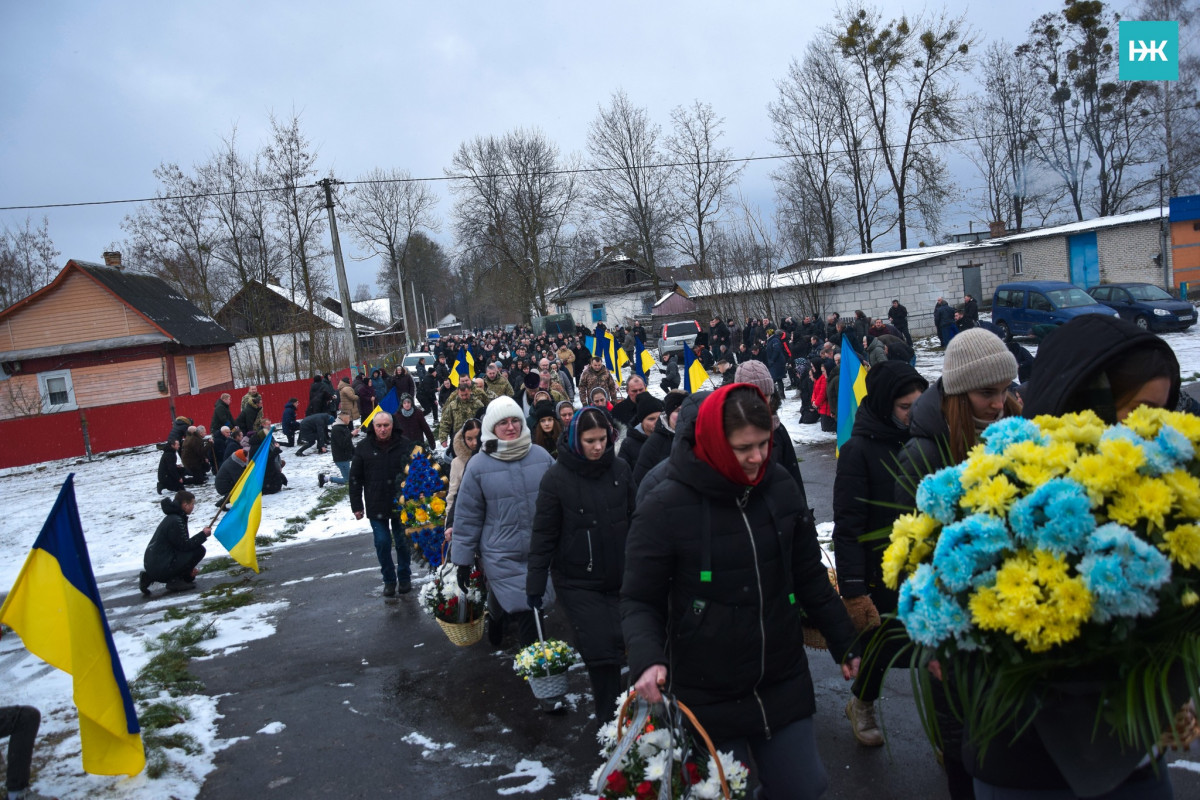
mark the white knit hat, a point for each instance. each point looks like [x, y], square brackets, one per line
[976, 358]
[501, 408]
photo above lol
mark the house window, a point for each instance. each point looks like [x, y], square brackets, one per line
[598, 311]
[305, 350]
[56, 390]
[193, 381]
[647, 305]
[630, 276]
[1018, 268]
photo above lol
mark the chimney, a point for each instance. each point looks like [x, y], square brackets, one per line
[608, 250]
[996, 229]
[596, 255]
[112, 258]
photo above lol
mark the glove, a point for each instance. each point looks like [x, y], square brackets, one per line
[862, 612]
[463, 576]
[534, 600]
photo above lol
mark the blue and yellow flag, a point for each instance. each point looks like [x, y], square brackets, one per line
[694, 373]
[390, 404]
[852, 388]
[464, 366]
[56, 609]
[237, 530]
[622, 360]
[643, 362]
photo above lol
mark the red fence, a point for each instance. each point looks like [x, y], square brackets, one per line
[49, 437]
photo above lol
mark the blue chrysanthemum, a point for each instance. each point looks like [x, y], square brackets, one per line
[1009, 431]
[1123, 573]
[1056, 516]
[965, 549]
[1175, 446]
[930, 615]
[938, 494]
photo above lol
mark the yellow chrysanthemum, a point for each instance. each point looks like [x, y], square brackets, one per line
[1057, 457]
[1125, 508]
[1122, 456]
[1025, 451]
[895, 557]
[1148, 500]
[1189, 599]
[910, 543]
[992, 496]
[1182, 545]
[1033, 474]
[1034, 600]
[1092, 471]
[1187, 424]
[980, 467]
[1146, 421]
[915, 527]
[1186, 488]
[1084, 427]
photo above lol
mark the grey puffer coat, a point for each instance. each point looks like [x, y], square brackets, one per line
[493, 516]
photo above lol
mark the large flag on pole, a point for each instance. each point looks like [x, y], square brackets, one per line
[852, 388]
[643, 362]
[622, 360]
[464, 366]
[237, 529]
[694, 373]
[56, 609]
[389, 404]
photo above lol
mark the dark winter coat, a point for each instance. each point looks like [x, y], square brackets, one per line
[366, 397]
[222, 416]
[427, 391]
[864, 490]
[413, 427]
[192, 454]
[231, 469]
[170, 476]
[943, 315]
[776, 358]
[341, 441]
[319, 396]
[314, 429]
[671, 374]
[290, 425]
[579, 532]
[631, 446]
[783, 453]
[170, 547]
[248, 419]
[220, 445]
[404, 384]
[373, 473]
[656, 448]
[732, 644]
[179, 429]
[624, 411]
[970, 314]
[927, 449]
[898, 314]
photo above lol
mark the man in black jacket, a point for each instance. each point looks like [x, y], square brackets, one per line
[898, 316]
[222, 416]
[314, 430]
[171, 557]
[341, 447]
[378, 460]
[319, 395]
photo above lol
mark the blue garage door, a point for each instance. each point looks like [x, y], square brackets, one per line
[1085, 260]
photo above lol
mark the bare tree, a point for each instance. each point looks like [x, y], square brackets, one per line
[28, 260]
[516, 200]
[905, 74]
[386, 207]
[1175, 104]
[702, 177]
[629, 187]
[746, 256]
[175, 235]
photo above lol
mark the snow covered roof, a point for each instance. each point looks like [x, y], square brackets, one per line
[320, 311]
[379, 309]
[1146, 215]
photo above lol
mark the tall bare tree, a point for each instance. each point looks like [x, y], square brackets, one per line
[386, 208]
[906, 76]
[28, 260]
[745, 256]
[629, 186]
[702, 177]
[1174, 103]
[515, 206]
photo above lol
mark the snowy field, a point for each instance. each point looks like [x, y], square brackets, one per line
[120, 511]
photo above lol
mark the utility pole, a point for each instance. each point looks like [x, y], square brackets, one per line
[416, 315]
[1163, 247]
[403, 305]
[427, 320]
[343, 287]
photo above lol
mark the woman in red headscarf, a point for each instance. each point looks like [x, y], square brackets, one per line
[719, 556]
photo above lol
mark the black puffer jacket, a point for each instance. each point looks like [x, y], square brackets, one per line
[170, 543]
[170, 477]
[656, 448]
[732, 644]
[319, 395]
[373, 473]
[927, 449]
[222, 416]
[341, 440]
[631, 447]
[582, 519]
[864, 489]
[231, 469]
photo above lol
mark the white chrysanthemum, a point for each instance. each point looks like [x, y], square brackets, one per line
[607, 735]
[656, 767]
[708, 789]
[655, 741]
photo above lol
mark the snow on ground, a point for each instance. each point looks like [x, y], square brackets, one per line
[119, 511]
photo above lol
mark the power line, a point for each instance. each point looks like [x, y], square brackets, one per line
[574, 171]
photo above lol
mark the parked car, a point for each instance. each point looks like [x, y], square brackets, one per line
[1018, 307]
[411, 359]
[432, 335]
[1148, 306]
[676, 334]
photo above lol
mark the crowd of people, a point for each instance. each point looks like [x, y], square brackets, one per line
[674, 532]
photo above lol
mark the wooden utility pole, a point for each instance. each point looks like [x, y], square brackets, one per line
[343, 287]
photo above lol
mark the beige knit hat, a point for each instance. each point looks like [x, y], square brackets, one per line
[976, 358]
[755, 372]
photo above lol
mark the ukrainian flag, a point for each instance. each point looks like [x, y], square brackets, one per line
[622, 360]
[237, 530]
[643, 362]
[852, 388]
[390, 404]
[464, 366]
[56, 609]
[694, 373]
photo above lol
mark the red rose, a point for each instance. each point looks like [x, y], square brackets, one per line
[617, 782]
[693, 772]
[644, 790]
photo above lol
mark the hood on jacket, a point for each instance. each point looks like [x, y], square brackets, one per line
[458, 445]
[926, 419]
[1070, 371]
[169, 506]
[886, 382]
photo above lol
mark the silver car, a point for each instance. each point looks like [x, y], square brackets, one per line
[676, 334]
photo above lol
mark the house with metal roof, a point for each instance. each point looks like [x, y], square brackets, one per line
[616, 289]
[100, 335]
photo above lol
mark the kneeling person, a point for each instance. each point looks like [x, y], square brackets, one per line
[172, 556]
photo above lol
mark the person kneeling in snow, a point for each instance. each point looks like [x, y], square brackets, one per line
[171, 557]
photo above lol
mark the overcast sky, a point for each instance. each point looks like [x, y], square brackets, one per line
[96, 95]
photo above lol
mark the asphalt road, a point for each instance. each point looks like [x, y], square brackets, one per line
[378, 703]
